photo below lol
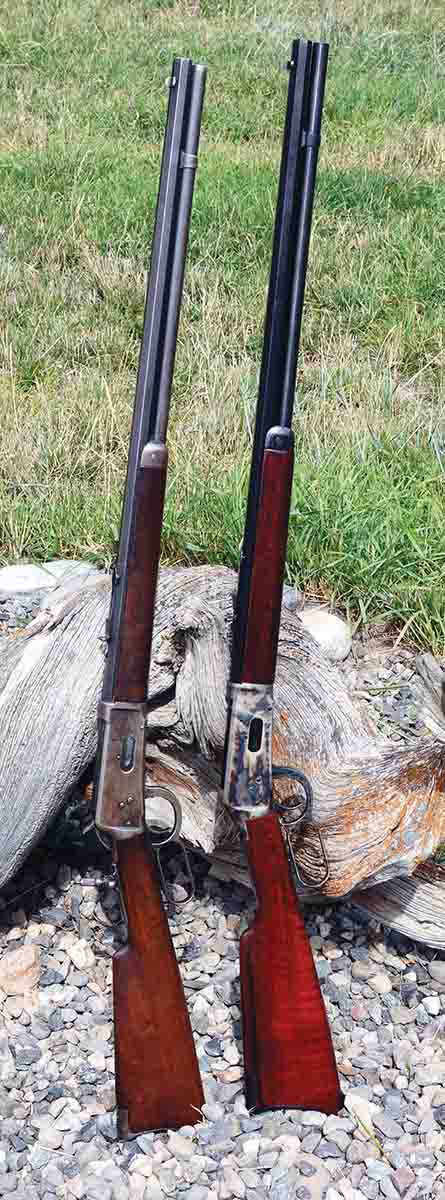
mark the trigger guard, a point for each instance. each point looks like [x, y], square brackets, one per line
[287, 809]
[160, 790]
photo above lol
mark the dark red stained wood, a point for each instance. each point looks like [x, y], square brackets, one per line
[133, 663]
[248, 1013]
[268, 570]
[157, 1074]
[289, 1057]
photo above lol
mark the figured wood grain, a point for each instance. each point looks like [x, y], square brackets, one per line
[158, 1083]
[289, 1057]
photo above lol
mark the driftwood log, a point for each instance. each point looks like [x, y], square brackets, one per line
[380, 808]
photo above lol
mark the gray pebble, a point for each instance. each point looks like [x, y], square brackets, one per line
[98, 1189]
[386, 1125]
[425, 1180]
[69, 1032]
[55, 916]
[357, 1152]
[218, 1133]
[8, 1183]
[328, 1149]
[52, 1177]
[229, 1090]
[213, 1111]
[87, 1132]
[420, 1158]
[370, 1189]
[377, 1169]
[26, 1055]
[408, 991]
[314, 1119]
[361, 970]
[214, 1047]
[402, 1179]
[39, 1029]
[437, 970]
[387, 1189]
[306, 1168]
[49, 977]
[322, 968]
[107, 1126]
[311, 1141]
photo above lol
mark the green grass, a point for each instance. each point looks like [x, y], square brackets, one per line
[82, 112]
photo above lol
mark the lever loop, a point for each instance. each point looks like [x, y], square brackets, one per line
[159, 790]
[290, 819]
[172, 835]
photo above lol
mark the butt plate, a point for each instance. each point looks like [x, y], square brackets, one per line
[119, 791]
[248, 770]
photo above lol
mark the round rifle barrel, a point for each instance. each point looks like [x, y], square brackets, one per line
[188, 172]
[276, 321]
[319, 65]
[280, 281]
[286, 223]
[159, 274]
[156, 303]
[157, 290]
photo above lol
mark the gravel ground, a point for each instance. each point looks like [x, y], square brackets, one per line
[386, 1004]
[385, 683]
[60, 923]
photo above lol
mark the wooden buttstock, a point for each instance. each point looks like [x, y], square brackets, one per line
[158, 1084]
[289, 1059]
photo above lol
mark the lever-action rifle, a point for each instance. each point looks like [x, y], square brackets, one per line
[288, 1053]
[157, 1078]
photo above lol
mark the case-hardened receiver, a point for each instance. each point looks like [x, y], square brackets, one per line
[248, 770]
[120, 785]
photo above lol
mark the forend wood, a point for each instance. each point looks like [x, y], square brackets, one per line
[134, 646]
[266, 587]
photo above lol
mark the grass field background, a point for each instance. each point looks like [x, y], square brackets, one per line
[82, 110]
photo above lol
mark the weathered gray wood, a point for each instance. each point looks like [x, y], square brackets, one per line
[414, 905]
[432, 677]
[380, 808]
[48, 700]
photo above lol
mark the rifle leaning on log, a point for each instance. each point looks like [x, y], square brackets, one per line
[157, 1077]
[288, 1054]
